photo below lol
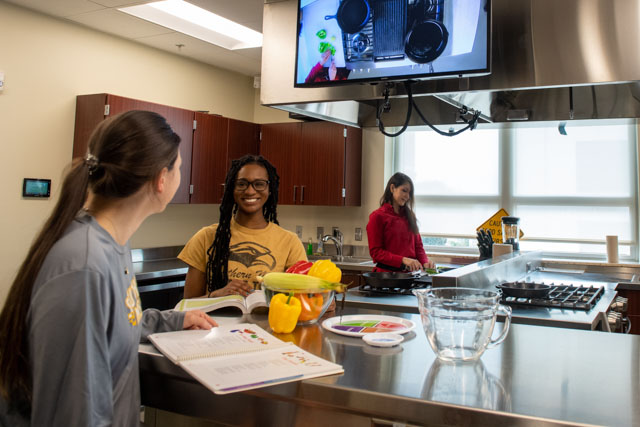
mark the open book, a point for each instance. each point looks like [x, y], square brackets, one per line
[254, 300]
[240, 357]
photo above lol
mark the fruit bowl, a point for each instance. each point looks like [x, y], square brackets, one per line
[314, 302]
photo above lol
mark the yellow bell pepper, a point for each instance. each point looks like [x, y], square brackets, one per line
[327, 270]
[284, 311]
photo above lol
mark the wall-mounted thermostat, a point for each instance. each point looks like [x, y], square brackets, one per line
[32, 187]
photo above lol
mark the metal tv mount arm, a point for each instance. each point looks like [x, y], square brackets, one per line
[385, 107]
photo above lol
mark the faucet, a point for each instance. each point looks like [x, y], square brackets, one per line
[337, 241]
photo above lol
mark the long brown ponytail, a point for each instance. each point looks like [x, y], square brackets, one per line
[397, 180]
[126, 151]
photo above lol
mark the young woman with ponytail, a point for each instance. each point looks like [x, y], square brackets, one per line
[395, 243]
[71, 324]
[225, 258]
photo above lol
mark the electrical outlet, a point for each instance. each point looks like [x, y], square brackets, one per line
[319, 232]
[358, 235]
[299, 231]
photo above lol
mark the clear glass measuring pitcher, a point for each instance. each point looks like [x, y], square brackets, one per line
[459, 322]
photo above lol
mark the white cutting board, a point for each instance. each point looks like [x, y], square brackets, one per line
[313, 21]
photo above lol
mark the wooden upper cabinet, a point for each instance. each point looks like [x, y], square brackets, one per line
[319, 163]
[243, 138]
[353, 166]
[280, 144]
[92, 109]
[209, 164]
[323, 163]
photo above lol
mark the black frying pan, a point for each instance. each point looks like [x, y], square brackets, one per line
[384, 279]
[428, 36]
[352, 15]
[525, 290]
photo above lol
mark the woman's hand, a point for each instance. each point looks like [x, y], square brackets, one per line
[234, 287]
[411, 264]
[196, 319]
[429, 264]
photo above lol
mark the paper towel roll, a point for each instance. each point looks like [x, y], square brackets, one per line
[501, 249]
[612, 249]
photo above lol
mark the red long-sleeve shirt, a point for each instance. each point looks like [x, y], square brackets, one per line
[391, 238]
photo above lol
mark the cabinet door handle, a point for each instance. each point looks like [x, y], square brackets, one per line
[302, 195]
[295, 187]
[221, 191]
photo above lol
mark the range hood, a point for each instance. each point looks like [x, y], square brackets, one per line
[551, 61]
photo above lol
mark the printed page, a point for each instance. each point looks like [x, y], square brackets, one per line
[253, 370]
[255, 299]
[210, 304]
[228, 339]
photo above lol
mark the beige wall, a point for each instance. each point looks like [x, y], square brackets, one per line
[47, 62]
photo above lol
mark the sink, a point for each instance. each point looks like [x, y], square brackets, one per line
[346, 259]
[351, 259]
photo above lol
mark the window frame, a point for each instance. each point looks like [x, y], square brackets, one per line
[508, 200]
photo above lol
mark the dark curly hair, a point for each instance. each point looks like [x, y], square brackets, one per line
[217, 271]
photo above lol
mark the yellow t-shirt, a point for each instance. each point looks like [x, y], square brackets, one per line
[251, 252]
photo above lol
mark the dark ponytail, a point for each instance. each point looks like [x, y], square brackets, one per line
[125, 152]
[217, 271]
[397, 180]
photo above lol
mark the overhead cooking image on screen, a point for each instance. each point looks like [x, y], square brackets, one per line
[372, 40]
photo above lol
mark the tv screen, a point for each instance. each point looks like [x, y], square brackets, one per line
[353, 41]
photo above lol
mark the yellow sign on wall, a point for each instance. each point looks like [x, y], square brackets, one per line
[495, 225]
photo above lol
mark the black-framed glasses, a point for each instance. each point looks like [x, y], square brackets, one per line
[258, 184]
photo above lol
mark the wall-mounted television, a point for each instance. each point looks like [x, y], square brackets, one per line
[357, 41]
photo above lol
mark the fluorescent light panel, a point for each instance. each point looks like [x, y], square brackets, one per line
[196, 22]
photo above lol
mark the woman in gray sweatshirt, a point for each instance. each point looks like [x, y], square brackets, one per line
[71, 324]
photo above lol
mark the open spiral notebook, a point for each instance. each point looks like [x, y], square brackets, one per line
[240, 357]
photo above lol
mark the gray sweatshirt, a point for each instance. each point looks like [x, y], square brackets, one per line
[85, 323]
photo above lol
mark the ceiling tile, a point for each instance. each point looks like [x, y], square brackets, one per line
[204, 52]
[119, 23]
[59, 8]
[245, 12]
[102, 15]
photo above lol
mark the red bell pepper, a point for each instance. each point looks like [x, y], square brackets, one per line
[300, 267]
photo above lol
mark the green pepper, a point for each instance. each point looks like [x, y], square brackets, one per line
[322, 34]
[324, 46]
[284, 311]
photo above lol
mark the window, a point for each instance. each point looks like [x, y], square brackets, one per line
[569, 191]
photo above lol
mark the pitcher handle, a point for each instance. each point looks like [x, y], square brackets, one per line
[506, 310]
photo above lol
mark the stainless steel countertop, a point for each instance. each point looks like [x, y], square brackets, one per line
[542, 316]
[537, 376]
[566, 318]
[163, 268]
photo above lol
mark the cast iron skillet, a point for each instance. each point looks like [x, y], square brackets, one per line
[428, 36]
[384, 279]
[525, 290]
[352, 15]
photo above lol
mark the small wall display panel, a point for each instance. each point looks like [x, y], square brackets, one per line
[353, 41]
[36, 187]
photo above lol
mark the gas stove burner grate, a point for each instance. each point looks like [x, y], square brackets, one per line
[371, 290]
[562, 296]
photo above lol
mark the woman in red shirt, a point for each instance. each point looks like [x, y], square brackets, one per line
[395, 243]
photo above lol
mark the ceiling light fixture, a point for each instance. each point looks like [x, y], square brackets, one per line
[196, 22]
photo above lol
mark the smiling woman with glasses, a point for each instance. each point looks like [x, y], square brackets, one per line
[225, 258]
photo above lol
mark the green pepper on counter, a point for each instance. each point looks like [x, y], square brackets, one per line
[284, 311]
